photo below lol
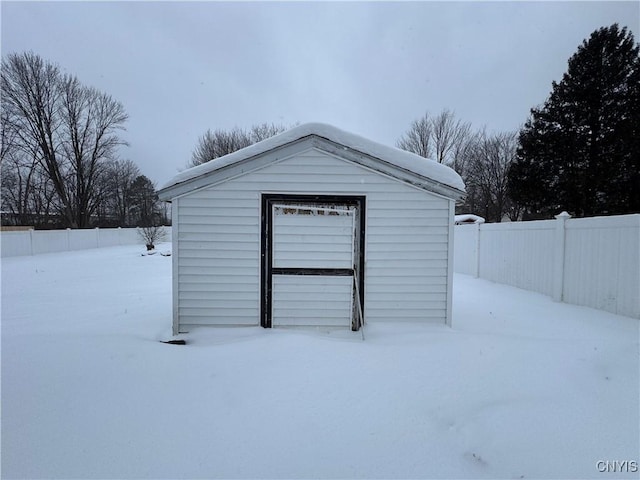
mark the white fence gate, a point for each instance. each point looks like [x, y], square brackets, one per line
[33, 242]
[593, 262]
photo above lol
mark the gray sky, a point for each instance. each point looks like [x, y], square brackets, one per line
[366, 67]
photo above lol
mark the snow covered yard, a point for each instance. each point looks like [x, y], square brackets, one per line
[521, 387]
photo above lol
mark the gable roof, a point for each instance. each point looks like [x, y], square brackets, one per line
[398, 163]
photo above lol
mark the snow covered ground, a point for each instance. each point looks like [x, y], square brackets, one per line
[521, 387]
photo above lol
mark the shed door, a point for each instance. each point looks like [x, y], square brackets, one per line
[313, 256]
[314, 250]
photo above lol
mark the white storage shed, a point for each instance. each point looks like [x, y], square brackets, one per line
[315, 226]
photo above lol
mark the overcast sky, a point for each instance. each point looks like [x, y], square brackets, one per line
[366, 67]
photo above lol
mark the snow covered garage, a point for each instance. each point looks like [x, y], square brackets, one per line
[314, 226]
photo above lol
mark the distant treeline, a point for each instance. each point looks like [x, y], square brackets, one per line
[59, 153]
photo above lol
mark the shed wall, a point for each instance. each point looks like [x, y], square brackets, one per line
[218, 229]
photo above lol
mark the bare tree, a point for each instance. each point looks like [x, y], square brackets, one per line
[26, 193]
[482, 160]
[30, 91]
[220, 142]
[152, 235]
[8, 134]
[448, 134]
[442, 137]
[217, 143]
[119, 177]
[90, 121]
[463, 152]
[44, 202]
[418, 139]
[18, 186]
[264, 130]
[72, 130]
[487, 176]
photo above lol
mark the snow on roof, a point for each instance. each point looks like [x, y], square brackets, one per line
[468, 218]
[408, 161]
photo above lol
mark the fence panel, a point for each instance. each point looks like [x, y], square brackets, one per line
[15, 244]
[602, 263]
[593, 262]
[83, 239]
[465, 249]
[49, 241]
[518, 254]
[109, 237]
[33, 242]
[130, 236]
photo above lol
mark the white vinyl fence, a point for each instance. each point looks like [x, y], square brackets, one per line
[33, 242]
[593, 262]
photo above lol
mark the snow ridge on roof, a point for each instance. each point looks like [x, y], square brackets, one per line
[406, 160]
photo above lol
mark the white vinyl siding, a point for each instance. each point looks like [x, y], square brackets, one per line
[219, 245]
[407, 234]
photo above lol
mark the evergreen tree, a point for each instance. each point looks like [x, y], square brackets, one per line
[144, 202]
[580, 152]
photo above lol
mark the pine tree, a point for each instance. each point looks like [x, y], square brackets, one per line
[580, 152]
[144, 202]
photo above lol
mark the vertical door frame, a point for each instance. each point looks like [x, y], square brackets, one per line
[266, 242]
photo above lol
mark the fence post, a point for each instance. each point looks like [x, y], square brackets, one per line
[31, 241]
[638, 277]
[476, 266]
[97, 230]
[558, 256]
